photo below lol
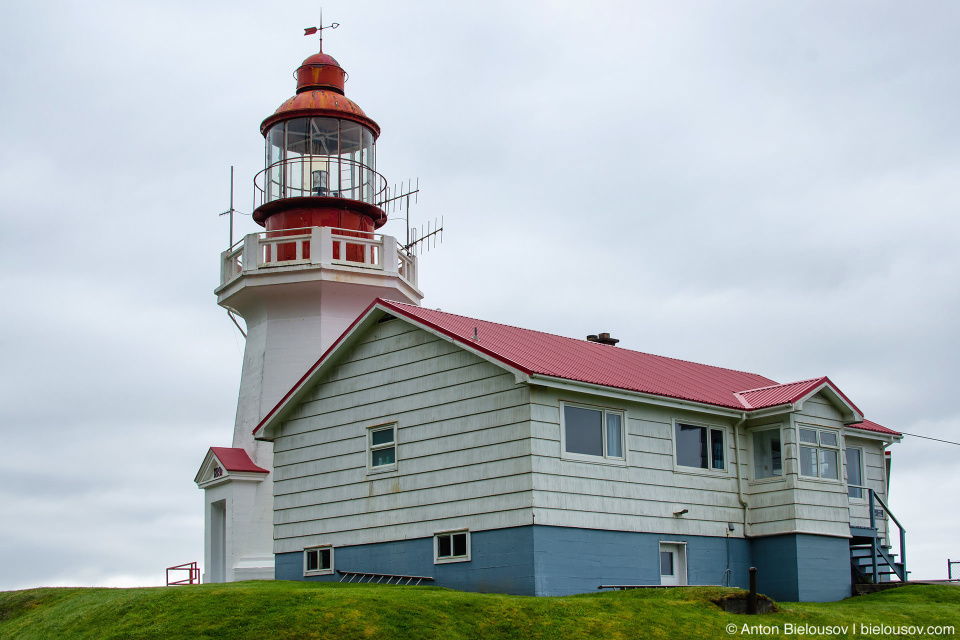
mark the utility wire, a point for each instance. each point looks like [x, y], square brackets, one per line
[929, 438]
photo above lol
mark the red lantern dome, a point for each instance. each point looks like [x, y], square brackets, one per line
[320, 158]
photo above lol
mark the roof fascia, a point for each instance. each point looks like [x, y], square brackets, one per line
[234, 476]
[205, 465]
[835, 396]
[853, 431]
[766, 412]
[633, 396]
[265, 430]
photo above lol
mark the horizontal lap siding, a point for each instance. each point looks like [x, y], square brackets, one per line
[463, 446]
[641, 496]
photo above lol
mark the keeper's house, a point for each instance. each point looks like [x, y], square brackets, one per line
[493, 458]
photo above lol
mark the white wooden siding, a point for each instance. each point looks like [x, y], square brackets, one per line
[641, 496]
[463, 446]
[475, 449]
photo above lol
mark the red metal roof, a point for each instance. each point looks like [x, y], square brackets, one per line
[789, 393]
[870, 425]
[234, 459]
[535, 352]
[544, 354]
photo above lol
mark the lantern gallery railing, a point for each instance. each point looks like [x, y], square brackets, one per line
[331, 176]
[317, 246]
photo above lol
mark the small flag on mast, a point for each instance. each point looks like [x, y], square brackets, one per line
[309, 31]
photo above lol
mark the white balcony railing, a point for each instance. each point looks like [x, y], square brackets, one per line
[321, 246]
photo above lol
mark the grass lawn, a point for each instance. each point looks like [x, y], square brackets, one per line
[280, 610]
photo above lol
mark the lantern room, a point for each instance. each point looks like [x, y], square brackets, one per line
[320, 159]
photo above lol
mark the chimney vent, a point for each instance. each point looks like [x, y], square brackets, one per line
[603, 338]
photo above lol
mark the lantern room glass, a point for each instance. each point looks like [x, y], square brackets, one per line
[321, 157]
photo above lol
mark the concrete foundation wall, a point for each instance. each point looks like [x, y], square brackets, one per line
[539, 560]
[803, 568]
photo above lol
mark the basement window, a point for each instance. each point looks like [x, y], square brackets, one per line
[591, 433]
[318, 561]
[700, 447]
[819, 453]
[451, 546]
[382, 447]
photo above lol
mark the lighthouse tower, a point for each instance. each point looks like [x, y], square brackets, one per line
[297, 285]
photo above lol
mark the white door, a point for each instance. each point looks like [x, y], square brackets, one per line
[673, 564]
[218, 542]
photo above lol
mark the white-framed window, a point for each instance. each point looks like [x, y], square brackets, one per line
[592, 433]
[382, 447]
[819, 453]
[855, 475]
[451, 546]
[700, 446]
[767, 456]
[318, 561]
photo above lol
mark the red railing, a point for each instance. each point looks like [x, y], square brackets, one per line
[191, 567]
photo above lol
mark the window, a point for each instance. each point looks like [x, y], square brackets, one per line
[767, 461]
[383, 447]
[451, 546]
[819, 454]
[592, 432]
[318, 561]
[854, 472]
[699, 447]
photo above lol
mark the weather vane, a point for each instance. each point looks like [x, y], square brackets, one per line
[309, 31]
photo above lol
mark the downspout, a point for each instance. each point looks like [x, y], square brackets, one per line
[736, 451]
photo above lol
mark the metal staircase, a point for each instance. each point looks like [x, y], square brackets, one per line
[871, 557]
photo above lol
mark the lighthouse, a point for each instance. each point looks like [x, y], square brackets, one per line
[297, 285]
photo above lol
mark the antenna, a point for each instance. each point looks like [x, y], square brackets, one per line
[424, 238]
[231, 210]
[400, 196]
[309, 31]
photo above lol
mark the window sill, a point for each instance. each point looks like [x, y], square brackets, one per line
[803, 478]
[694, 471]
[451, 560]
[577, 457]
[392, 468]
[324, 572]
[770, 480]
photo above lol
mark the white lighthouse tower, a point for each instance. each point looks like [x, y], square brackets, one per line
[298, 285]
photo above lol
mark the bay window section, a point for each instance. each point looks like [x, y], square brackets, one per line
[767, 459]
[819, 454]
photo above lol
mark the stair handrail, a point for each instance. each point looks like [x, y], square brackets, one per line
[903, 534]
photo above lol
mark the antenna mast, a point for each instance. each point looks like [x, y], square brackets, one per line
[231, 210]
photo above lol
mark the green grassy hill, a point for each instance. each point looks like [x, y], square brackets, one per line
[280, 610]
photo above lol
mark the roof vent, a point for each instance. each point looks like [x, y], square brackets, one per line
[603, 338]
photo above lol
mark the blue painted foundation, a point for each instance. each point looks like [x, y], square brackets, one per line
[803, 568]
[551, 561]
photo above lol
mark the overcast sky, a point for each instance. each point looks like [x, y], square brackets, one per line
[770, 187]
